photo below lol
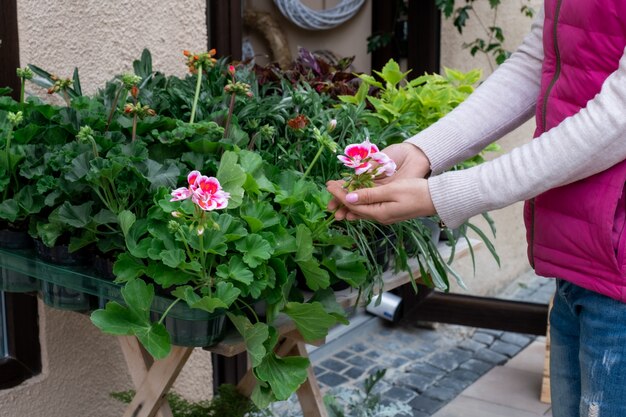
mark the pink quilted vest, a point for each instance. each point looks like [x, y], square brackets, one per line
[576, 232]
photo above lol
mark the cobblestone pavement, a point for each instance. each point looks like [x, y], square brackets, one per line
[427, 366]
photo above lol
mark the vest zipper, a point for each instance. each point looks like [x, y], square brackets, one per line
[544, 111]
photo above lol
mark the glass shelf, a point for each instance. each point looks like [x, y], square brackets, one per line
[81, 279]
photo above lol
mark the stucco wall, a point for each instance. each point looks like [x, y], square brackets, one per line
[82, 365]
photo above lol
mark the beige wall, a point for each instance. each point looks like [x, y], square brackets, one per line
[102, 38]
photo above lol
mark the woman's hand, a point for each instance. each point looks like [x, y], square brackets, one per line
[396, 201]
[401, 196]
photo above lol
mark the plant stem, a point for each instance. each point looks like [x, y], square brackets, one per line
[22, 90]
[7, 155]
[249, 307]
[315, 158]
[196, 96]
[231, 107]
[168, 310]
[113, 107]
[132, 139]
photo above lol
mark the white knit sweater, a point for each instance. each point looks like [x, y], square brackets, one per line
[584, 144]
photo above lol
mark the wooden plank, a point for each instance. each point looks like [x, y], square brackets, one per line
[138, 361]
[159, 379]
[309, 393]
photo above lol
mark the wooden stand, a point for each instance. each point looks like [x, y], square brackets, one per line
[153, 379]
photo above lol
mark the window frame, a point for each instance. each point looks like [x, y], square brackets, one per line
[23, 360]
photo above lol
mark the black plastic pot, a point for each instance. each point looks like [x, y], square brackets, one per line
[61, 255]
[195, 333]
[58, 296]
[14, 239]
[103, 267]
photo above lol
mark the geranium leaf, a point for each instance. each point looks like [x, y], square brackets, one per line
[231, 178]
[315, 276]
[311, 319]
[9, 210]
[138, 296]
[304, 244]
[347, 265]
[127, 267]
[161, 175]
[156, 340]
[209, 304]
[254, 337]
[259, 215]
[236, 270]
[255, 249]
[226, 292]
[117, 320]
[75, 216]
[126, 219]
[328, 300]
[105, 216]
[284, 375]
[165, 276]
[231, 227]
[173, 257]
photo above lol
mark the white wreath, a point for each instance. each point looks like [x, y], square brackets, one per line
[311, 19]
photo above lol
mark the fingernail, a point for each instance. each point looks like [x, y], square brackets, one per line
[352, 198]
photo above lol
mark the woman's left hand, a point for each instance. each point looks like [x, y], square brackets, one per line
[398, 200]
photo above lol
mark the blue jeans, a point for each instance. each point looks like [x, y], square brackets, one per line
[587, 354]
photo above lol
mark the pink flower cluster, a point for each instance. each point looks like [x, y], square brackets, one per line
[204, 191]
[366, 158]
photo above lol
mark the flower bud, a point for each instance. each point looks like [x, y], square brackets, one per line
[231, 69]
[200, 230]
[332, 125]
[134, 91]
[173, 226]
[25, 73]
[176, 214]
[15, 118]
[186, 52]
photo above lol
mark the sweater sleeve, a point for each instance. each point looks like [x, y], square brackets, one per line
[504, 101]
[590, 141]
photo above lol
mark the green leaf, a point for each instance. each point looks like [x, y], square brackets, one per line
[105, 216]
[231, 178]
[9, 210]
[127, 268]
[126, 219]
[259, 215]
[253, 335]
[165, 276]
[138, 296]
[75, 216]
[236, 270]
[312, 321]
[173, 257]
[255, 249]
[117, 320]
[304, 243]
[226, 292]
[161, 175]
[284, 375]
[156, 340]
[315, 276]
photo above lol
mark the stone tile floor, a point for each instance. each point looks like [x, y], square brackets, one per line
[438, 370]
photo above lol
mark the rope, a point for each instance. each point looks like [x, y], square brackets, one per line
[311, 19]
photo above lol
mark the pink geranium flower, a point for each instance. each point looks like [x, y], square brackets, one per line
[204, 191]
[358, 156]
